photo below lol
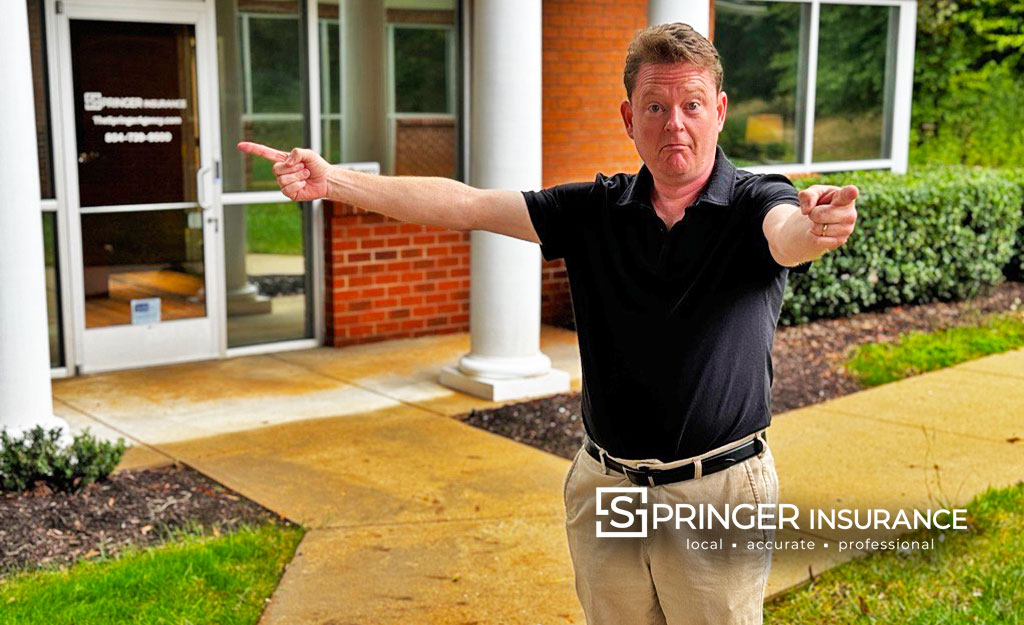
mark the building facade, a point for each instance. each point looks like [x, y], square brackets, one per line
[152, 240]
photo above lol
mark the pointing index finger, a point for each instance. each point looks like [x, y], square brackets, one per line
[261, 150]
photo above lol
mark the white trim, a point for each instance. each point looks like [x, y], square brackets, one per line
[448, 116]
[64, 220]
[892, 3]
[467, 95]
[799, 168]
[811, 87]
[903, 99]
[254, 197]
[390, 131]
[314, 251]
[124, 346]
[246, 63]
[269, 348]
[129, 208]
[57, 373]
[49, 206]
[271, 117]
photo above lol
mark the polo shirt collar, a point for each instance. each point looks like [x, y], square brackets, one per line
[718, 189]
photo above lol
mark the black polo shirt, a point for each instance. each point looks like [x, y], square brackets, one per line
[675, 326]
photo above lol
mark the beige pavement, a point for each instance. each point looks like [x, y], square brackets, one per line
[415, 517]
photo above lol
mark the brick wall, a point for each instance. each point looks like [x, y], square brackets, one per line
[584, 51]
[387, 279]
[425, 146]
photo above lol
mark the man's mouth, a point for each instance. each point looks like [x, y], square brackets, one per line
[675, 146]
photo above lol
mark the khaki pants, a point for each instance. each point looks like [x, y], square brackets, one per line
[663, 579]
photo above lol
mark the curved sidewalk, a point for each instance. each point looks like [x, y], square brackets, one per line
[415, 517]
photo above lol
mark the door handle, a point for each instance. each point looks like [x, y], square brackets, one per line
[202, 190]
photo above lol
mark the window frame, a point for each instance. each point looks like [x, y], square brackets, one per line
[451, 76]
[897, 98]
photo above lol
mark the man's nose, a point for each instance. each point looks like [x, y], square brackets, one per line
[675, 120]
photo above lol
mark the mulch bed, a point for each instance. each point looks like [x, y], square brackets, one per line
[807, 363]
[42, 528]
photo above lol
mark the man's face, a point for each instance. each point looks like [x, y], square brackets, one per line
[674, 119]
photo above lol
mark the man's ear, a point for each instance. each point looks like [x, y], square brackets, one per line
[722, 107]
[626, 110]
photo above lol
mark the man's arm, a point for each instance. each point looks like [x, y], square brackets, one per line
[795, 233]
[304, 175]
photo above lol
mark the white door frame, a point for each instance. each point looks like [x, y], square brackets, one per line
[102, 349]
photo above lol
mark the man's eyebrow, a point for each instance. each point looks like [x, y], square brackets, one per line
[656, 91]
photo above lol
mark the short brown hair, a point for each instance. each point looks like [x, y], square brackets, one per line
[670, 43]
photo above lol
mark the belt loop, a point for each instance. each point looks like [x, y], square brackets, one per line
[604, 467]
[698, 469]
[764, 443]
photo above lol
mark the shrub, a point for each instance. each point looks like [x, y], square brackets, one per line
[38, 456]
[945, 234]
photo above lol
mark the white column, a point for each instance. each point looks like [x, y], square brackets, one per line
[25, 396]
[696, 13]
[505, 361]
[243, 298]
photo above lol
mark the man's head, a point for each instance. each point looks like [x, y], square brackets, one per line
[675, 107]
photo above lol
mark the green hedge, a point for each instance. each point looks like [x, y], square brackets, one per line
[945, 233]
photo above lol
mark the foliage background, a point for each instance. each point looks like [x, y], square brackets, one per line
[968, 87]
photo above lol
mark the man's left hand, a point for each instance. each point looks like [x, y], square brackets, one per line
[832, 213]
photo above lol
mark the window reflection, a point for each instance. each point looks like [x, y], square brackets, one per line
[850, 93]
[266, 275]
[53, 312]
[261, 52]
[41, 92]
[143, 255]
[759, 45]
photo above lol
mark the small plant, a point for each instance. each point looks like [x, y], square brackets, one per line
[38, 456]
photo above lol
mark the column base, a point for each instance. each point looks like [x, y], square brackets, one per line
[493, 389]
[248, 301]
[48, 423]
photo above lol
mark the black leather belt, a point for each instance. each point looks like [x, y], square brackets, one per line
[645, 476]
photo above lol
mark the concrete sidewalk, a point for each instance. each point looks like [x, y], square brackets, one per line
[416, 517]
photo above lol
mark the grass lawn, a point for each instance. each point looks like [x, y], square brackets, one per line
[878, 363]
[972, 576]
[193, 579]
[274, 228]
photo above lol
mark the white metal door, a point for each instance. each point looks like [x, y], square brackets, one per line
[138, 109]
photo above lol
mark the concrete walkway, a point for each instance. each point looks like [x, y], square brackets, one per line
[415, 517]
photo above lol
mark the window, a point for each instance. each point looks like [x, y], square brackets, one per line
[263, 86]
[422, 120]
[820, 85]
[423, 82]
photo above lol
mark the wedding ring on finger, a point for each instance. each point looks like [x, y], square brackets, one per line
[824, 230]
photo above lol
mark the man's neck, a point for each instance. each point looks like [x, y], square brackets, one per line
[671, 200]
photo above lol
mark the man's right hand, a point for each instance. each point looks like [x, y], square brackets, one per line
[301, 173]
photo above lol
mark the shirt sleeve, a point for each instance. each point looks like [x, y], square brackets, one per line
[555, 213]
[770, 191]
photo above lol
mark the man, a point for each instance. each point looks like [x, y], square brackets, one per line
[676, 276]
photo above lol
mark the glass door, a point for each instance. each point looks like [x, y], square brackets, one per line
[141, 175]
